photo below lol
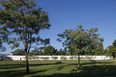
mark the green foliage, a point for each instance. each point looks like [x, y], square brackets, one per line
[55, 58]
[18, 52]
[7, 58]
[34, 58]
[23, 18]
[49, 50]
[114, 43]
[112, 50]
[45, 58]
[108, 54]
[73, 58]
[63, 58]
[36, 53]
[80, 40]
[3, 38]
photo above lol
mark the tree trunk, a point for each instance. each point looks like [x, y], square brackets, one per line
[79, 61]
[27, 63]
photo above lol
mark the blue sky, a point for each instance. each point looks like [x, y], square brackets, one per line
[67, 14]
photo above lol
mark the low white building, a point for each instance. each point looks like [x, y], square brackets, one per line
[61, 57]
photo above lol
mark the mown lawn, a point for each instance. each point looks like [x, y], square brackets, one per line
[66, 69]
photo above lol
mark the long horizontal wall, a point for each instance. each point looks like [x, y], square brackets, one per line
[61, 57]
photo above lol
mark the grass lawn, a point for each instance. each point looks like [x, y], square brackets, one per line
[50, 69]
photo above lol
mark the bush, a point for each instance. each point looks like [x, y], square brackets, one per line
[63, 58]
[45, 58]
[73, 58]
[108, 54]
[58, 62]
[7, 58]
[55, 58]
[33, 58]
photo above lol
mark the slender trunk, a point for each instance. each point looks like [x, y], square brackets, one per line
[79, 61]
[27, 63]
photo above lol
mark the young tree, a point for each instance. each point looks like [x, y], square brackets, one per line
[80, 39]
[24, 20]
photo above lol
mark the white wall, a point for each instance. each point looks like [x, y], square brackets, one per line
[61, 57]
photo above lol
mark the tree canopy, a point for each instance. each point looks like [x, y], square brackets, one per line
[49, 50]
[80, 40]
[24, 20]
[18, 52]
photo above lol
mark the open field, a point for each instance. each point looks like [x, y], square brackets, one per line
[66, 69]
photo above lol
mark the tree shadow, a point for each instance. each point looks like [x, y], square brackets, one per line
[13, 66]
[12, 73]
[20, 73]
[87, 71]
[91, 63]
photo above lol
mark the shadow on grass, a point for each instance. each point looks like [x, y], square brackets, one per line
[13, 66]
[91, 63]
[12, 73]
[87, 70]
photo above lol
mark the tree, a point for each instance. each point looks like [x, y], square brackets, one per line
[18, 52]
[2, 48]
[114, 43]
[80, 39]
[112, 49]
[61, 52]
[24, 20]
[3, 37]
[49, 50]
[35, 52]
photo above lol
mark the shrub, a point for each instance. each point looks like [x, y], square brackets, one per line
[45, 58]
[63, 58]
[55, 58]
[73, 58]
[58, 62]
[7, 58]
[108, 54]
[33, 57]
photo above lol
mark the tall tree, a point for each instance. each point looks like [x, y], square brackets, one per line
[24, 20]
[79, 39]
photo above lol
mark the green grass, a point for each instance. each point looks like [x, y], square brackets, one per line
[51, 69]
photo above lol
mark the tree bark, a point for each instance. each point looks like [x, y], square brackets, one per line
[79, 61]
[27, 63]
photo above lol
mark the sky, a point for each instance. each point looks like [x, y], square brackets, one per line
[68, 14]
